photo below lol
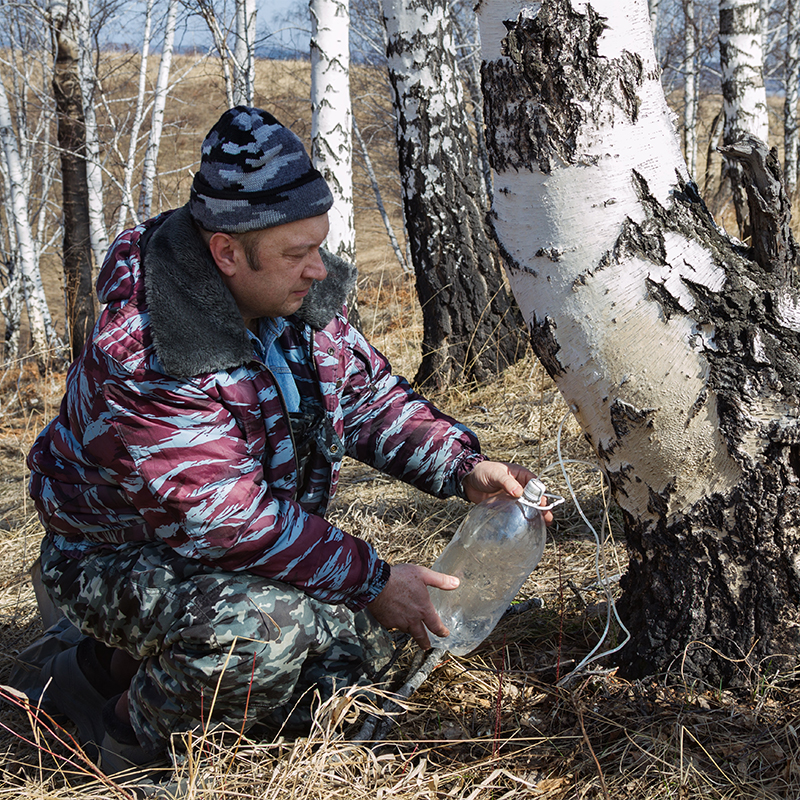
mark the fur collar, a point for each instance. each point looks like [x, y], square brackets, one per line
[196, 325]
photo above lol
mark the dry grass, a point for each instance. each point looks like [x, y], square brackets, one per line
[495, 724]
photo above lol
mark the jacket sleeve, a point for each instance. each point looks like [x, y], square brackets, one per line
[392, 428]
[185, 464]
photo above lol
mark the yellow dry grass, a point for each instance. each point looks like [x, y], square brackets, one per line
[494, 724]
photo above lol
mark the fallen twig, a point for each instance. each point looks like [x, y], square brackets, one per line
[376, 727]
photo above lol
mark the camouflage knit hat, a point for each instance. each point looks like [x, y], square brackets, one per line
[254, 174]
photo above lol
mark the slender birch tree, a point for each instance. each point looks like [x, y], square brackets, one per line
[78, 288]
[332, 117]
[244, 55]
[653, 8]
[790, 85]
[98, 232]
[126, 206]
[46, 343]
[690, 97]
[678, 353]
[470, 326]
[743, 92]
[157, 117]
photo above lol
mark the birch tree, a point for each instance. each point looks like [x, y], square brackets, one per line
[157, 116]
[690, 98]
[678, 353]
[791, 78]
[653, 7]
[98, 233]
[470, 328]
[743, 92]
[332, 117]
[244, 56]
[46, 343]
[126, 206]
[78, 288]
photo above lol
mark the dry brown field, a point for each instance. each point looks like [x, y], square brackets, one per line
[507, 721]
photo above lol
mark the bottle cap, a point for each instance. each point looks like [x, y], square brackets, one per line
[534, 490]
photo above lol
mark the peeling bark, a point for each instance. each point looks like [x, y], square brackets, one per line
[678, 352]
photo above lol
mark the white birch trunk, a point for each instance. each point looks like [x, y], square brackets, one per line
[540, 206]
[12, 299]
[94, 170]
[157, 118]
[643, 312]
[126, 207]
[742, 61]
[42, 331]
[792, 75]
[653, 8]
[470, 328]
[690, 87]
[244, 62]
[743, 92]
[332, 117]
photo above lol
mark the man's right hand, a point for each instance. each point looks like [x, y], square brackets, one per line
[405, 604]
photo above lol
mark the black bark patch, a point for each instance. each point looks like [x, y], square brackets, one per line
[625, 417]
[553, 61]
[545, 345]
[723, 579]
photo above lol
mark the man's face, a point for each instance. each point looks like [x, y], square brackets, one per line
[276, 267]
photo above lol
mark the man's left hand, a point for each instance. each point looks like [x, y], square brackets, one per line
[493, 477]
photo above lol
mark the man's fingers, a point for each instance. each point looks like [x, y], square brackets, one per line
[440, 580]
[435, 625]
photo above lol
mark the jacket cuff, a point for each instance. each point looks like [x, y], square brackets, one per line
[464, 469]
[376, 586]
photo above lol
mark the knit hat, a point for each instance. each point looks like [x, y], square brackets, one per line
[254, 174]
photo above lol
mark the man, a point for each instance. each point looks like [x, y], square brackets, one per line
[184, 483]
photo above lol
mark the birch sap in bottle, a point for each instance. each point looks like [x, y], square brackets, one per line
[493, 552]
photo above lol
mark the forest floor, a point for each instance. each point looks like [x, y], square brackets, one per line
[510, 720]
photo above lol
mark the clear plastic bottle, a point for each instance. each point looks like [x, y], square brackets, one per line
[495, 549]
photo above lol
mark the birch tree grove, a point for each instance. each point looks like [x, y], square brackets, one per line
[470, 327]
[677, 352]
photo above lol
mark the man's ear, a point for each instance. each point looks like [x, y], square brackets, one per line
[226, 251]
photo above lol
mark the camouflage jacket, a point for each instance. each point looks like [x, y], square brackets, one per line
[171, 427]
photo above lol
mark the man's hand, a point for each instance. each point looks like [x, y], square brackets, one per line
[405, 603]
[492, 477]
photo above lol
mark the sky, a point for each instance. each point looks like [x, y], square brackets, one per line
[275, 26]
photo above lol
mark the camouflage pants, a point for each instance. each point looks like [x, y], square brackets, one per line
[211, 643]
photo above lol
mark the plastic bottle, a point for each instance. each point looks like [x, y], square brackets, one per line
[495, 549]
